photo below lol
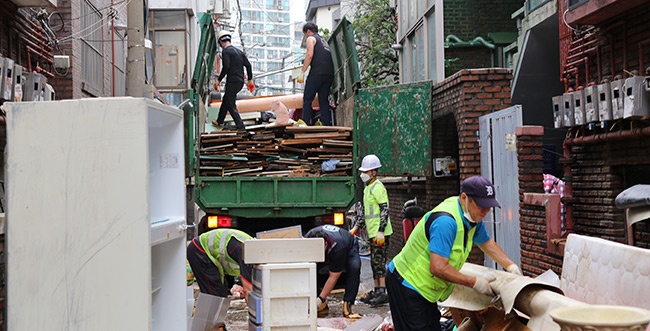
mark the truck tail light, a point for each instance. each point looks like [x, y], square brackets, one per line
[216, 221]
[339, 219]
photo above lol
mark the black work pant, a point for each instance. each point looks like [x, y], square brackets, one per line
[410, 310]
[350, 276]
[317, 84]
[206, 273]
[228, 104]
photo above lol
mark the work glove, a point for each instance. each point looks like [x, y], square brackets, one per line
[301, 78]
[482, 285]
[514, 269]
[251, 86]
[379, 239]
[354, 230]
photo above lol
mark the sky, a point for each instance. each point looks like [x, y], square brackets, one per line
[297, 10]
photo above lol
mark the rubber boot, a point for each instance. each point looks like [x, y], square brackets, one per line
[369, 296]
[380, 298]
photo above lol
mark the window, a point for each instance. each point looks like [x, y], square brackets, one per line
[91, 50]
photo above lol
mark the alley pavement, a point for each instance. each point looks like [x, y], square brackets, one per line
[237, 318]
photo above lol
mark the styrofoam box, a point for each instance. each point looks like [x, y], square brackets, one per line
[284, 279]
[279, 311]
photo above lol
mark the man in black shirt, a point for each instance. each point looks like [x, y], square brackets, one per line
[342, 254]
[321, 75]
[233, 62]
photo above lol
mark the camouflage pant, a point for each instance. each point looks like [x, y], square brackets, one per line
[378, 258]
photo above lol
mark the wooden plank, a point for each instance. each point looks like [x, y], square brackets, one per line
[322, 135]
[317, 128]
[286, 250]
[291, 142]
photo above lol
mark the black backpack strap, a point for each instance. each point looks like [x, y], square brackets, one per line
[433, 217]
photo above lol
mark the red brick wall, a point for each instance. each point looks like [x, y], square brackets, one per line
[599, 171]
[457, 104]
[535, 257]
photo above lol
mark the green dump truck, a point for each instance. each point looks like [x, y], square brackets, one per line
[392, 123]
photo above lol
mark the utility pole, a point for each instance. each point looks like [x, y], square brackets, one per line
[135, 60]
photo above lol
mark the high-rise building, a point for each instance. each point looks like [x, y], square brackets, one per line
[266, 37]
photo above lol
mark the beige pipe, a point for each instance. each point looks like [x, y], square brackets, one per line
[258, 104]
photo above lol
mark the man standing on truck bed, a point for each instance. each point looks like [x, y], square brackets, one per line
[216, 254]
[321, 75]
[376, 221]
[233, 62]
[341, 254]
[427, 268]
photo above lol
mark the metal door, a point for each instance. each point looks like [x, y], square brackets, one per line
[499, 165]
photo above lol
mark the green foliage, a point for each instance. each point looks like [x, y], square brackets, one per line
[375, 27]
[325, 33]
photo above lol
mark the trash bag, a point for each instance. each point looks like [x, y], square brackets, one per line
[330, 165]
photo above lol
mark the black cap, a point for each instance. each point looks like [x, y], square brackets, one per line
[481, 190]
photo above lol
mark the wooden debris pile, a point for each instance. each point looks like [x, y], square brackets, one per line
[277, 151]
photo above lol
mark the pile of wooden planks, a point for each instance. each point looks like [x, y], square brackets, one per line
[286, 151]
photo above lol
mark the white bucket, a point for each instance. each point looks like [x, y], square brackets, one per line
[601, 318]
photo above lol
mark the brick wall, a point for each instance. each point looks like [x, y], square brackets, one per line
[599, 170]
[468, 20]
[62, 80]
[535, 257]
[457, 104]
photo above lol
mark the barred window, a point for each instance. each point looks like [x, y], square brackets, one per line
[92, 72]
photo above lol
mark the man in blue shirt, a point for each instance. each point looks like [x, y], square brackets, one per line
[427, 268]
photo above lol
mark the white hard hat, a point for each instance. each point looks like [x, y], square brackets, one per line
[224, 35]
[370, 162]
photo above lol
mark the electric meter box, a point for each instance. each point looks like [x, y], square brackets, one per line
[637, 97]
[557, 111]
[19, 81]
[591, 104]
[8, 79]
[618, 90]
[605, 102]
[567, 110]
[444, 167]
[579, 107]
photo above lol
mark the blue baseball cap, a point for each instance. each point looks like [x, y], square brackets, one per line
[481, 190]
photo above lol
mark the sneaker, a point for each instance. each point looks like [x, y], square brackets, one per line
[219, 127]
[369, 296]
[379, 299]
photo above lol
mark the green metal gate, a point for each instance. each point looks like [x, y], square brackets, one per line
[394, 123]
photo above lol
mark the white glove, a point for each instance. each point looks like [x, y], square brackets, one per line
[514, 269]
[301, 77]
[482, 285]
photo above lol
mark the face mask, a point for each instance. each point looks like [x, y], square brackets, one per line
[466, 213]
[364, 177]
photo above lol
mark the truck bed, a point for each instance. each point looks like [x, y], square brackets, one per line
[274, 197]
